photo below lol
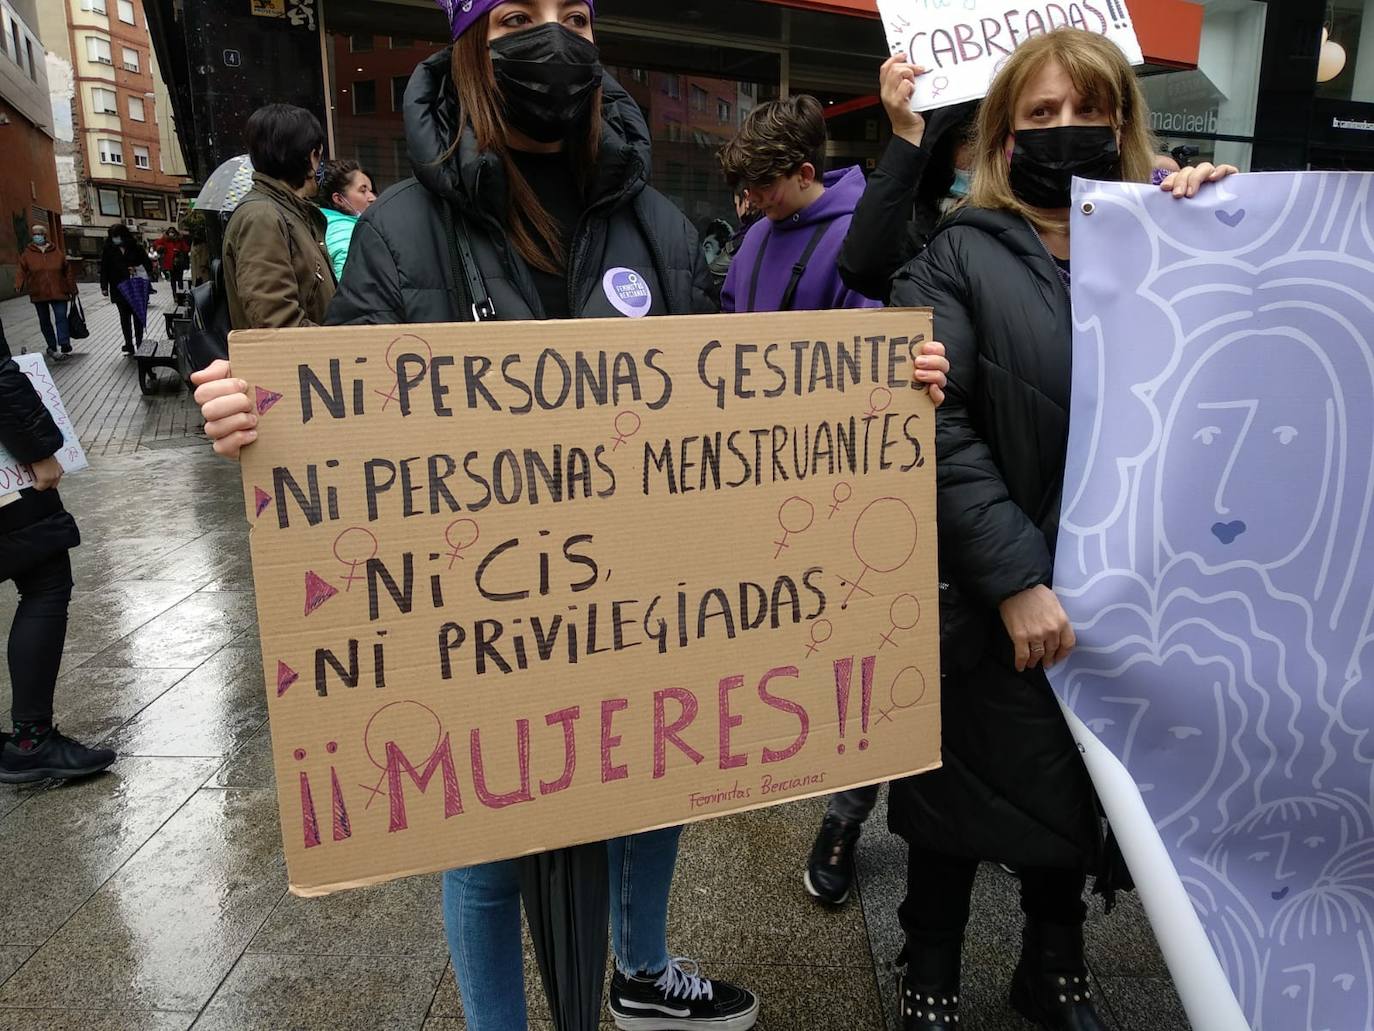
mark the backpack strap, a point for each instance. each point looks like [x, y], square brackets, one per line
[463, 262]
[758, 269]
[789, 296]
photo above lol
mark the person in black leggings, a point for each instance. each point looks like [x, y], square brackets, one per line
[36, 535]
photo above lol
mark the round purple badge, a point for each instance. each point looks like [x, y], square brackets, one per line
[628, 293]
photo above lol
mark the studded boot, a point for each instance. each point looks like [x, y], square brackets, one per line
[1051, 987]
[929, 987]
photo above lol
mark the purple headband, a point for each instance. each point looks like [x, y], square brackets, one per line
[462, 13]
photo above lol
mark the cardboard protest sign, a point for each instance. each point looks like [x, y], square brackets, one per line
[964, 44]
[1216, 555]
[523, 585]
[16, 475]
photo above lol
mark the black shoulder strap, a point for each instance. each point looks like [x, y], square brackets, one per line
[789, 296]
[758, 268]
[462, 259]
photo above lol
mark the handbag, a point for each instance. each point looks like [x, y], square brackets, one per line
[76, 320]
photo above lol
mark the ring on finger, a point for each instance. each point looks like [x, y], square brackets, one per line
[1037, 649]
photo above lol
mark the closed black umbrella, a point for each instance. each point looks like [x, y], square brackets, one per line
[568, 904]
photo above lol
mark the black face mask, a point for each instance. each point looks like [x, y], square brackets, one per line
[1046, 160]
[548, 77]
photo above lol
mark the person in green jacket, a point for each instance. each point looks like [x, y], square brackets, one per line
[345, 193]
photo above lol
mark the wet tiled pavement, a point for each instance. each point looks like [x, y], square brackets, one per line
[154, 898]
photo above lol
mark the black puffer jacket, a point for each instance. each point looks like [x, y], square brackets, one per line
[1013, 787]
[398, 264]
[36, 526]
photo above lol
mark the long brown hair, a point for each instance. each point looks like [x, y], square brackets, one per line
[1100, 72]
[533, 232]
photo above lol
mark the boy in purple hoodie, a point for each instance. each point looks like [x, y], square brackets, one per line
[790, 259]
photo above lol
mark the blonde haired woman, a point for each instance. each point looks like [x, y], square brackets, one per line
[1013, 788]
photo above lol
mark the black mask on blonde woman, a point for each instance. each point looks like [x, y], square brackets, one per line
[1045, 161]
[548, 78]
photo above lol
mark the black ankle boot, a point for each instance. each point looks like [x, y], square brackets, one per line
[1051, 987]
[928, 990]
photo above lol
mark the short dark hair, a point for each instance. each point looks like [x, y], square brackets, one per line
[281, 139]
[776, 139]
[337, 175]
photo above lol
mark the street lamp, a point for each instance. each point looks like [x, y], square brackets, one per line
[1331, 61]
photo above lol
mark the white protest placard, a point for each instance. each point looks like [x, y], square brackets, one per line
[16, 475]
[964, 43]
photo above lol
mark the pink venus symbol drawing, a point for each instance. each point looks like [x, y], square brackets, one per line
[795, 515]
[884, 541]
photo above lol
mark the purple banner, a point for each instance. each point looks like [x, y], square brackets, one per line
[1217, 556]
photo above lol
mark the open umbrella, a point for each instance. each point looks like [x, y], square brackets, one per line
[227, 186]
[136, 290]
[568, 903]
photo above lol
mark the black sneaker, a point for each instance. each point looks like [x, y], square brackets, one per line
[55, 756]
[830, 870]
[681, 1000]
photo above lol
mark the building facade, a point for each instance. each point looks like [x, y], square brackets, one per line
[28, 189]
[119, 158]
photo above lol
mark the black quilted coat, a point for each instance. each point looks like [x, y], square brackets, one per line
[398, 263]
[1013, 787]
[36, 526]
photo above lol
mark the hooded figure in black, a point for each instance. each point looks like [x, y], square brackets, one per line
[532, 158]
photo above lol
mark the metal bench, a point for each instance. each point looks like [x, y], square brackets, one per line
[152, 354]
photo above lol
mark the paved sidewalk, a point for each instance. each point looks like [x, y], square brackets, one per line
[154, 898]
[99, 384]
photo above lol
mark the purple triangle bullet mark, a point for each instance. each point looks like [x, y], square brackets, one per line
[286, 676]
[266, 399]
[317, 592]
[261, 499]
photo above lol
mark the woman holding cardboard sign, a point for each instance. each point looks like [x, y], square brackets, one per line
[530, 201]
[1013, 787]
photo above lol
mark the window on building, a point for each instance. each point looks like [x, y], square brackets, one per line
[150, 208]
[698, 99]
[402, 42]
[130, 59]
[98, 50]
[95, 7]
[28, 52]
[104, 101]
[111, 153]
[360, 43]
[143, 157]
[398, 91]
[126, 11]
[365, 97]
[136, 110]
[723, 111]
[672, 85]
[109, 202]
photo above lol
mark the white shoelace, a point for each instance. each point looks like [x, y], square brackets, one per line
[683, 980]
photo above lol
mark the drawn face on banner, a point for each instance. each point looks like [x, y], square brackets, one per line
[1268, 853]
[1184, 728]
[1323, 959]
[1232, 436]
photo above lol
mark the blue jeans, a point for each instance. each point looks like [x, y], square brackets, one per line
[482, 917]
[60, 338]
